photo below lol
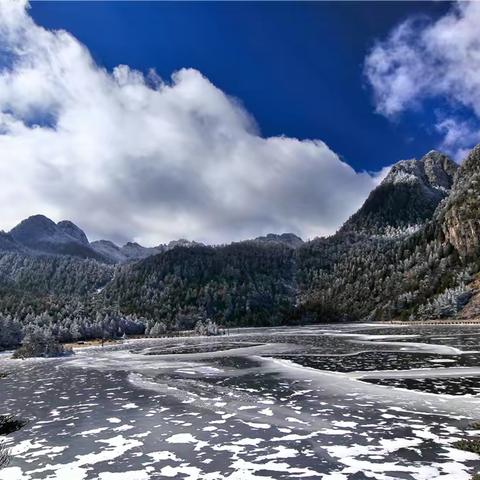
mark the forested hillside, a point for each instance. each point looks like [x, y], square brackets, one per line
[382, 266]
[410, 252]
[248, 283]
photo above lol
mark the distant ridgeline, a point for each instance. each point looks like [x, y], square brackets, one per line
[410, 252]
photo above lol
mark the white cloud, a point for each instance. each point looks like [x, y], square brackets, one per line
[424, 59]
[128, 156]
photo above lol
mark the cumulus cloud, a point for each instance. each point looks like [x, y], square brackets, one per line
[424, 59]
[128, 156]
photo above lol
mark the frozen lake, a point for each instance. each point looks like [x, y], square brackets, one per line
[323, 402]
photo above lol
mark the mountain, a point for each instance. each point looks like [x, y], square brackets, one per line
[130, 252]
[36, 229]
[412, 251]
[182, 242]
[288, 239]
[371, 268]
[40, 234]
[109, 250]
[406, 198]
[134, 251]
[402, 254]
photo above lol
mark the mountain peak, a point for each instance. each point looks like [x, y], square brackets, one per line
[40, 234]
[133, 244]
[289, 239]
[434, 170]
[33, 228]
[71, 229]
[439, 169]
[182, 242]
[406, 198]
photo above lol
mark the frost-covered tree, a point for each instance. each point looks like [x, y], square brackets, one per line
[37, 343]
[207, 327]
[445, 304]
[157, 330]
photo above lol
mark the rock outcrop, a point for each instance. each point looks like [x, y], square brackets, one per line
[460, 213]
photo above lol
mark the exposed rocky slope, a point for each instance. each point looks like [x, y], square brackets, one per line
[460, 214]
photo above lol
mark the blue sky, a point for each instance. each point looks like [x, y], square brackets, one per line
[297, 68]
[216, 122]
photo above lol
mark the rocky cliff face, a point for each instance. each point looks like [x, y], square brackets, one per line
[439, 170]
[459, 215]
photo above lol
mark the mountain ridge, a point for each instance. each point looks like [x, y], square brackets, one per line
[413, 252]
[39, 234]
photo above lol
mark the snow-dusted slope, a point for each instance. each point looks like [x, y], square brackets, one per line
[406, 198]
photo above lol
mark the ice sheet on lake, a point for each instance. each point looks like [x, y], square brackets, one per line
[239, 413]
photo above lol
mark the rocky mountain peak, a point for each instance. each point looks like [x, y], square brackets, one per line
[135, 251]
[108, 250]
[34, 228]
[182, 242]
[404, 171]
[73, 231]
[406, 198]
[439, 169]
[433, 170]
[289, 239]
[40, 234]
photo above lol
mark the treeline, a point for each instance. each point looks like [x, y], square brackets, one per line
[344, 277]
[67, 326]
